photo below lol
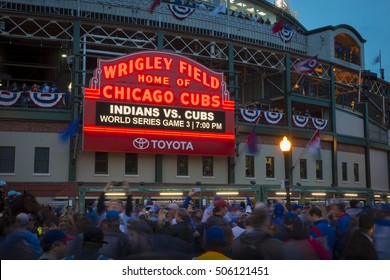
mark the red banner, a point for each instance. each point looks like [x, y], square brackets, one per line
[160, 103]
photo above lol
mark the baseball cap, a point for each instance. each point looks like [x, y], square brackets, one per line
[220, 203]
[290, 217]
[3, 184]
[173, 206]
[112, 215]
[13, 192]
[297, 206]
[22, 219]
[215, 236]
[54, 235]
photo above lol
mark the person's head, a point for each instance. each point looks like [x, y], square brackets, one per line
[93, 237]
[115, 204]
[338, 209]
[113, 219]
[198, 213]
[215, 239]
[182, 215]
[257, 219]
[354, 203]
[297, 209]
[22, 220]
[220, 207]
[314, 214]
[17, 246]
[172, 209]
[366, 224]
[54, 243]
[64, 222]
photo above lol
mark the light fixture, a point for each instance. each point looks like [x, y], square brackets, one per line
[115, 194]
[285, 145]
[171, 193]
[281, 193]
[377, 196]
[318, 194]
[351, 194]
[227, 193]
[63, 55]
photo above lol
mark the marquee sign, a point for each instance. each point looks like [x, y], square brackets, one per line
[158, 102]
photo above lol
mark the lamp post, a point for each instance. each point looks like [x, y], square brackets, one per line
[285, 147]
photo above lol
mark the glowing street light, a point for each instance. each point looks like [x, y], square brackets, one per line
[285, 147]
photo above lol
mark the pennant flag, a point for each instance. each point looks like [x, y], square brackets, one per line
[70, 131]
[154, 5]
[314, 145]
[220, 9]
[180, 12]
[377, 59]
[278, 26]
[307, 65]
[251, 143]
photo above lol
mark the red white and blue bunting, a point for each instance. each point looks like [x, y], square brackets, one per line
[273, 117]
[286, 33]
[9, 98]
[250, 115]
[180, 12]
[45, 100]
[300, 121]
[320, 124]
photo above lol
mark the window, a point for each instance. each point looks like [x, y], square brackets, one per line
[131, 164]
[319, 173]
[7, 159]
[208, 163]
[182, 165]
[101, 163]
[356, 172]
[303, 168]
[270, 167]
[344, 172]
[41, 160]
[249, 166]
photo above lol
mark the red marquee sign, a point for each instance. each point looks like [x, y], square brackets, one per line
[160, 103]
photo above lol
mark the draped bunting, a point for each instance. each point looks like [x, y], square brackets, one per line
[9, 98]
[180, 12]
[320, 124]
[286, 33]
[252, 115]
[45, 100]
[300, 121]
[273, 117]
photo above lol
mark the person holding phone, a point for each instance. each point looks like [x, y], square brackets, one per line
[125, 214]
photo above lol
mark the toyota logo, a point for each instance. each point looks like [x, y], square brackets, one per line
[141, 143]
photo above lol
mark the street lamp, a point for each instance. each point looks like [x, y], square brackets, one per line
[285, 147]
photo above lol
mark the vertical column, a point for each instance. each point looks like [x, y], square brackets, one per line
[76, 97]
[332, 96]
[367, 148]
[160, 40]
[233, 83]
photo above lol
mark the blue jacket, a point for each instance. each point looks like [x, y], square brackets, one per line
[341, 234]
[323, 230]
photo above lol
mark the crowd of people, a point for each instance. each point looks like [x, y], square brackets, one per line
[239, 231]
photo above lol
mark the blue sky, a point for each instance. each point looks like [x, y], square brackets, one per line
[370, 18]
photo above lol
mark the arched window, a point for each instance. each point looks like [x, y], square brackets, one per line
[346, 48]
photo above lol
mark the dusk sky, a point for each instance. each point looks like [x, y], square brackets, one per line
[370, 18]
